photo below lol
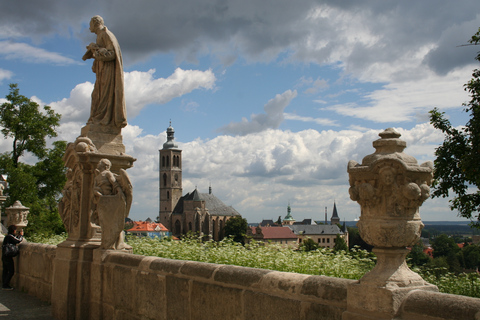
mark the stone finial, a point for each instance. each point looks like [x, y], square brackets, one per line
[17, 215]
[389, 186]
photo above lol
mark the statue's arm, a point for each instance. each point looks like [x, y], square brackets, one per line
[106, 53]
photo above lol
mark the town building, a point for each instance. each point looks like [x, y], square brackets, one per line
[275, 235]
[149, 229]
[324, 235]
[196, 212]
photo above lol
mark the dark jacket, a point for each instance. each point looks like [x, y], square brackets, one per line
[10, 238]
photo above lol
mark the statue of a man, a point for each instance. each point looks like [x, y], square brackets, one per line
[112, 196]
[108, 99]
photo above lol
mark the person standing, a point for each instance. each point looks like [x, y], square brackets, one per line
[8, 264]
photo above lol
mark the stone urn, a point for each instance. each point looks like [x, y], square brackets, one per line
[17, 215]
[390, 186]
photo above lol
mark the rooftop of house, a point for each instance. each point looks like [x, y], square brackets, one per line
[315, 229]
[275, 232]
[146, 226]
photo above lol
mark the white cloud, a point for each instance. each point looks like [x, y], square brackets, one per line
[320, 121]
[5, 75]
[17, 50]
[403, 101]
[272, 118]
[142, 89]
[259, 173]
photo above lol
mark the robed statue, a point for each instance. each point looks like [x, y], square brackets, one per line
[108, 98]
[112, 196]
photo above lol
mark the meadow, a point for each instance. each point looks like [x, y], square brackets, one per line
[349, 265]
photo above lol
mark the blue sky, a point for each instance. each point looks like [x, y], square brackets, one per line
[269, 100]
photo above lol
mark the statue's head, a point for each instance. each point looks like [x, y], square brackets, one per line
[96, 23]
[104, 164]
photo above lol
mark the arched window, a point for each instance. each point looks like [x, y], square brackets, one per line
[168, 195]
[164, 179]
[168, 161]
[163, 161]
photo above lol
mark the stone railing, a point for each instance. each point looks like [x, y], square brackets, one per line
[139, 287]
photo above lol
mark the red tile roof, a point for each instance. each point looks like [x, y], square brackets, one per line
[276, 232]
[144, 226]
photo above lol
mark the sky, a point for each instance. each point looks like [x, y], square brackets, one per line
[269, 99]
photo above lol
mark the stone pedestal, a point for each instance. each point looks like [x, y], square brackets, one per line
[390, 187]
[75, 272]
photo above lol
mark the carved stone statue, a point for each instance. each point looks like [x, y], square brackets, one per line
[112, 199]
[108, 99]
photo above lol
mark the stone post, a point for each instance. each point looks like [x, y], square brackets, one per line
[389, 186]
[17, 215]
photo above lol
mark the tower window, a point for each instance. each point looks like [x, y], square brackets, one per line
[164, 179]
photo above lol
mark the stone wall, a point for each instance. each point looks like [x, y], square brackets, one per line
[127, 286]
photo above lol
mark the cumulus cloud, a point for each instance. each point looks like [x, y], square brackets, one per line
[259, 173]
[141, 89]
[271, 119]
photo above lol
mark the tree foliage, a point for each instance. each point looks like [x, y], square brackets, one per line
[36, 186]
[457, 168]
[237, 228]
[308, 245]
[340, 244]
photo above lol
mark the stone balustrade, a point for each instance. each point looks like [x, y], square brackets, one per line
[128, 286]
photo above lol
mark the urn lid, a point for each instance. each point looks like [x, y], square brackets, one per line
[389, 146]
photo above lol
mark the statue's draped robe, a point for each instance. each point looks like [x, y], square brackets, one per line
[108, 98]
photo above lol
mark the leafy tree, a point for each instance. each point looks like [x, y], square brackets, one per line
[443, 246]
[457, 168]
[237, 228]
[340, 244]
[308, 245]
[22, 120]
[416, 256]
[37, 186]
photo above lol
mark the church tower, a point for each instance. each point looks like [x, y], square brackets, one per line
[334, 219]
[170, 180]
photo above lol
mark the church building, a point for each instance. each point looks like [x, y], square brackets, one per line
[196, 212]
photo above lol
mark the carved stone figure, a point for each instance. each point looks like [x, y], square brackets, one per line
[112, 199]
[108, 99]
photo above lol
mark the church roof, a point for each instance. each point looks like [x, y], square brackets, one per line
[335, 214]
[214, 205]
[315, 229]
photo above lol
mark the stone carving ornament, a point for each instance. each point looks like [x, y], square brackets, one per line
[390, 187]
[112, 201]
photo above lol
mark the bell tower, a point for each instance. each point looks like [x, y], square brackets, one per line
[170, 179]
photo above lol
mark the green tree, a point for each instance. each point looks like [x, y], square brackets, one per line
[416, 256]
[308, 245]
[354, 239]
[457, 168]
[22, 121]
[340, 244]
[37, 186]
[443, 246]
[236, 227]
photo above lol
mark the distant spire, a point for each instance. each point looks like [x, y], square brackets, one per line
[334, 219]
[170, 144]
